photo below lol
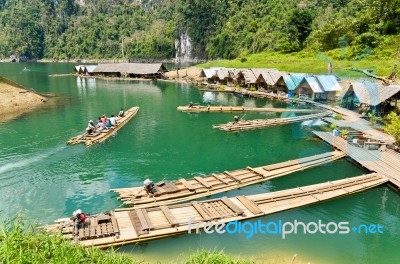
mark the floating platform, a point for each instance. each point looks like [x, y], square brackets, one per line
[101, 136]
[213, 109]
[261, 123]
[137, 225]
[386, 163]
[197, 187]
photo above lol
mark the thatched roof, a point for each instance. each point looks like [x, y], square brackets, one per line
[223, 73]
[372, 93]
[130, 68]
[248, 76]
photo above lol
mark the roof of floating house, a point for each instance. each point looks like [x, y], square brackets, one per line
[249, 76]
[322, 83]
[291, 80]
[270, 77]
[223, 73]
[210, 72]
[276, 75]
[372, 93]
[329, 83]
[131, 68]
[313, 83]
[90, 68]
[85, 68]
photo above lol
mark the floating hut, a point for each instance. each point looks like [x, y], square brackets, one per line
[210, 75]
[267, 79]
[246, 78]
[85, 69]
[132, 70]
[380, 96]
[287, 83]
[224, 77]
[319, 87]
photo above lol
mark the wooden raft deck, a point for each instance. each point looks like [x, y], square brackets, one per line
[213, 109]
[197, 187]
[99, 137]
[137, 225]
[261, 123]
[386, 163]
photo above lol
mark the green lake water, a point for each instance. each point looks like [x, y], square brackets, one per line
[44, 179]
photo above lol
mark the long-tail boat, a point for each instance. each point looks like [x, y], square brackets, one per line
[100, 136]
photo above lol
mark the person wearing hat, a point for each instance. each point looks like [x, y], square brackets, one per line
[235, 119]
[79, 220]
[91, 127]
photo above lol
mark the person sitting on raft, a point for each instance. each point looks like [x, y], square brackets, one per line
[190, 104]
[108, 123]
[236, 120]
[100, 125]
[79, 219]
[91, 127]
[104, 119]
[113, 121]
[121, 112]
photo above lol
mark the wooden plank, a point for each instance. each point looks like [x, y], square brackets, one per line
[232, 206]
[187, 184]
[115, 224]
[168, 214]
[98, 231]
[220, 178]
[143, 219]
[81, 233]
[104, 229]
[92, 231]
[249, 205]
[227, 173]
[256, 172]
[281, 165]
[203, 182]
[200, 210]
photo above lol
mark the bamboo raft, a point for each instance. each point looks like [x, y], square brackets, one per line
[260, 123]
[136, 225]
[101, 136]
[212, 109]
[197, 187]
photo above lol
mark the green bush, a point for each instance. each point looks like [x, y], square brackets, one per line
[22, 243]
[338, 116]
[392, 126]
[213, 257]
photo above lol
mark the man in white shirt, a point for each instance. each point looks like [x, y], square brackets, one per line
[113, 121]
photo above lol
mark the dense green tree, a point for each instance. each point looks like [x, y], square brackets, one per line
[147, 29]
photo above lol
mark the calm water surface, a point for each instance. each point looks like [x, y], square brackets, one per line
[44, 179]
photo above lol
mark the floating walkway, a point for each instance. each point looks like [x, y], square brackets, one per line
[137, 225]
[101, 136]
[212, 109]
[197, 187]
[261, 123]
[386, 163]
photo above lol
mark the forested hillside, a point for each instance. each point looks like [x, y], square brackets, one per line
[63, 29]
